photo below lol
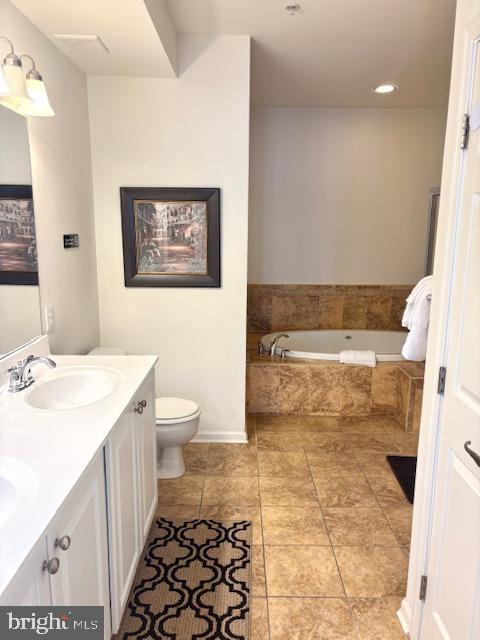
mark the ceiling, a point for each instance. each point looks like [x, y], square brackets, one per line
[333, 52]
[129, 28]
[330, 54]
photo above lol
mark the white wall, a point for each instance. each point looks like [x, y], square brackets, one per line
[193, 131]
[16, 328]
[341, 195]
[62, 187]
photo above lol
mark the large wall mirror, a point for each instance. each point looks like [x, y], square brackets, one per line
[19, 292]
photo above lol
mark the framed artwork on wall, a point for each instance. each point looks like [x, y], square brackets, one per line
[171, 237]
[18, 244]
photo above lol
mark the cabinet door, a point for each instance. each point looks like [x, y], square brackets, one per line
[30, 587]
[147, 450]
[78, 538]
[123, 512]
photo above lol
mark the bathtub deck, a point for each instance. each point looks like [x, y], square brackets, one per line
[321, 387]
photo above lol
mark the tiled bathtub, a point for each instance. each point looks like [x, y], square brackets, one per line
[330, 388]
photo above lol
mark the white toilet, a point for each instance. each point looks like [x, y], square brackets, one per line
[177, 423]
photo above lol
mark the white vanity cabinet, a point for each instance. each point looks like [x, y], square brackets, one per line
[31, 586]
[131, 492]
[147, 449]
[77, 543]
[70, 565]
[88, 553]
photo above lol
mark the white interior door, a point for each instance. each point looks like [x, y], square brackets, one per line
[452, 607]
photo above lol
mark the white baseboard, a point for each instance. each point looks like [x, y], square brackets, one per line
[404, 614]
[221, 436]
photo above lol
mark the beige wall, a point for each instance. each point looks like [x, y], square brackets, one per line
[62, 186]
[193, 131]
[341, 195]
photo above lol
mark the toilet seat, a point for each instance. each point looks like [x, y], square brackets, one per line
[171, 410]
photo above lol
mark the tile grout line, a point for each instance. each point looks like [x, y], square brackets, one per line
[263, 537]
[380, 505]
[204, 481]
[330, 540]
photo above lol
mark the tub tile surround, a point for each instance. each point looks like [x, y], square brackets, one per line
[306, 387]
[341, 513]
[278, 307]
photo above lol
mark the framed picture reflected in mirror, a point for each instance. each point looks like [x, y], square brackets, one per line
[18, 244]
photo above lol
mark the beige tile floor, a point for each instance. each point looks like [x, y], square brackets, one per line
[331, 526]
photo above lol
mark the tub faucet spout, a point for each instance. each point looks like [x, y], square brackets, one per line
[273, 343]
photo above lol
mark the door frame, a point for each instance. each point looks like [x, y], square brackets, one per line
[411, 610]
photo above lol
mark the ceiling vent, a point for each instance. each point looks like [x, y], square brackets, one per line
[82, 43]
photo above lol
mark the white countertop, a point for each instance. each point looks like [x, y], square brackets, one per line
[58, 446]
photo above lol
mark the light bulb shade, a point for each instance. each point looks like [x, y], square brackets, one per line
[39, 105]
[16, 88]
[4, 87]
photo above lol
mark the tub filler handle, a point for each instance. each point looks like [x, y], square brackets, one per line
[273, 343]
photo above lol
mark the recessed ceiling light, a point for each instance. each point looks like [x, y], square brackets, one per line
[385, 88]
[293, 8]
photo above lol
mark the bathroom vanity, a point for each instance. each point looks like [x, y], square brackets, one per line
[77, 482]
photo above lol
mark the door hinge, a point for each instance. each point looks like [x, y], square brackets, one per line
[423, 588]
[442, 376]
[465, 132]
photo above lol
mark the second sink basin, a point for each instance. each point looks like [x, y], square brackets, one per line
[18, 487]
[72, 387]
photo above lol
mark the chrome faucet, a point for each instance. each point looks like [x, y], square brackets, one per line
[273, 343]
[21, 375]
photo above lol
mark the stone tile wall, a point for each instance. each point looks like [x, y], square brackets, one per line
[281, 307]
[329, 388]
[410, 394]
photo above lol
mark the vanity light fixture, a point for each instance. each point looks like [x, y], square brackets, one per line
[13, 93]
[40, 105]
[385, 88]
[26, 95]
[4, 87]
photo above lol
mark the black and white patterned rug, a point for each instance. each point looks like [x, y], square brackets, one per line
[192, 583]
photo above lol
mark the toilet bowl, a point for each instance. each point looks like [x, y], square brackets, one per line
[177, 423]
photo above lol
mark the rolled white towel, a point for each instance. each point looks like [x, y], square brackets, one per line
[416, 319]
[419, 294]
[415, 347]
[362, 358]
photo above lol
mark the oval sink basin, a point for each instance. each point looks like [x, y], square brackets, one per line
[72, 387]
[18, 485]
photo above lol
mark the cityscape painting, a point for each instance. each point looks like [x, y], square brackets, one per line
[18, 246]
[171, 237]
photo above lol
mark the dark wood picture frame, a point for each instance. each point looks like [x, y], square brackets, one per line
[17, 192]
[211, 197]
